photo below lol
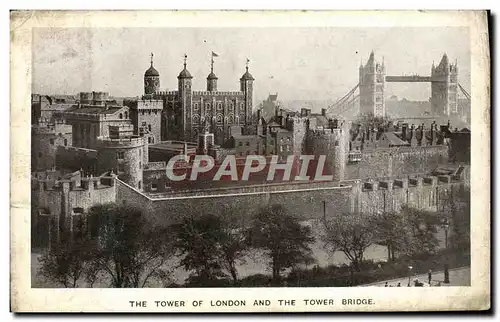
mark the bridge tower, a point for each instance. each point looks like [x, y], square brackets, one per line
[444, 88]
[372, 87]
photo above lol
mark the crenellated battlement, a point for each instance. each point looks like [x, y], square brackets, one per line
[128, 142]
[416, 181]
[77, 151]
[218, 93]
[148, 104]
[78, 184]
[161, 165]
[52, 128]
[166, 93]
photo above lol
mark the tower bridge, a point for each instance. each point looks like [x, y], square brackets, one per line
[369, 92]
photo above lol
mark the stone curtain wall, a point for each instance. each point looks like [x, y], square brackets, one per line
[397, 162]
[311, 201]
[307, 204]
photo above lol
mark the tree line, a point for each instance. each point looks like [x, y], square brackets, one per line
[122, 247]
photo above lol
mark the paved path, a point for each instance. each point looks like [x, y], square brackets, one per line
[458, 277]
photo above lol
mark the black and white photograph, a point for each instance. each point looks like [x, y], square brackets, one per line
[253, 158]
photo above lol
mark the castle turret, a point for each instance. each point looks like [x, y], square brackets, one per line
[123, 155]
[246, 86]
[151, 80]
[182, 117]
[212, 79]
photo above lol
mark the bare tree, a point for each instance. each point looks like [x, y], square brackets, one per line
[390, 230]
[67, 261]
[282, 237]
[130, 251]
[350, 233]
[210, 245]
[420, 231]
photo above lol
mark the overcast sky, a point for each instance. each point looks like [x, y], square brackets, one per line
[297, 63]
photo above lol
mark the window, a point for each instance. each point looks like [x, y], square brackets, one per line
[121, 116]
[52, 141]
[240, 143]
[149, 139]
[139, 185]
[149, 127]
[248, 143]
[120, 155]
[153, 140]
[126, 114]
[121, 167]
[142, 112]
[336, 143]
[65, 142]
[140, 152]
[154, 186]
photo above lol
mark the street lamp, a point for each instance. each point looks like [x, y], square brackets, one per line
[409, 275]
[445, 225]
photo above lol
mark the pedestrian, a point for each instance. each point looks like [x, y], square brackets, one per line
[429, 275]
[385, 284]
[399, 285]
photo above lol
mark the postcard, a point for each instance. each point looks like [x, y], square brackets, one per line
[250, 161]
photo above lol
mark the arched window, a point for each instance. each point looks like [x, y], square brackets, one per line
[219, 118]
[126, 114]
[121, 116]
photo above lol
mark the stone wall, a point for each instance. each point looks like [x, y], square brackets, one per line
[45, 139]
[56, 206]
[305, 200]
[304, 203]
[397, 162]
